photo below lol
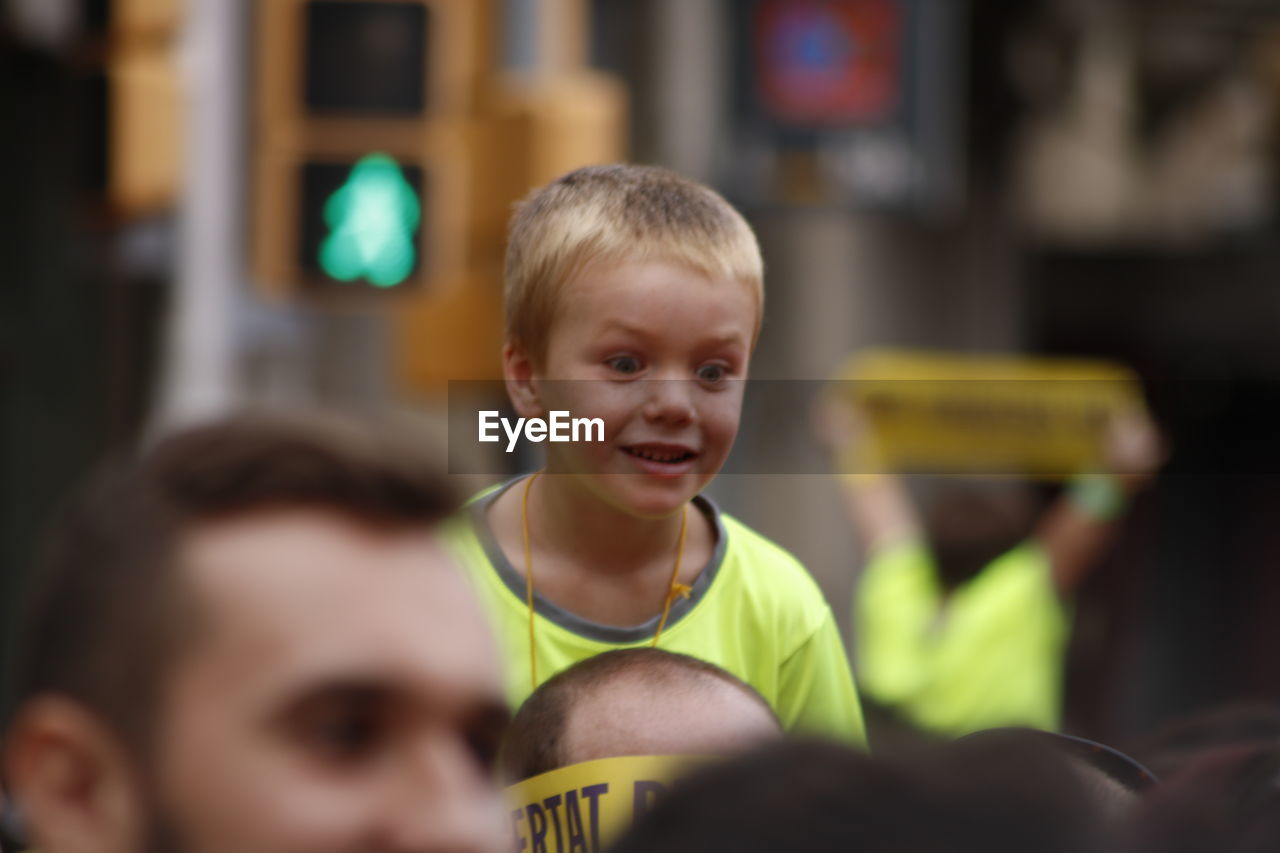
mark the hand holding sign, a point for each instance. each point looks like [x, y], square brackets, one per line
[1133, 448]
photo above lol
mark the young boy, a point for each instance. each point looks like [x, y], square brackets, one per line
[635, 296]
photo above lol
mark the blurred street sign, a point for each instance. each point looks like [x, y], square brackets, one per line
[828, 64]
[848, 103]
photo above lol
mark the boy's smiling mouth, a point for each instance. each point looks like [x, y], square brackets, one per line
[662, 454]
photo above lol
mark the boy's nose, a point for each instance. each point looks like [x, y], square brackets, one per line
[669, 401]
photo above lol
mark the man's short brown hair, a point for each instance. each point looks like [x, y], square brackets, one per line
[108, 612]
[615, 214]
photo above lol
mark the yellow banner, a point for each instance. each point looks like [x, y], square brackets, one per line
[959, 413]
[584, 807]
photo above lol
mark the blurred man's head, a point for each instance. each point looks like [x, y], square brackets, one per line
[250, 640]
[635, 702]
[1112, 781]
[820, 796]
[1226, 800]
[1179, 743]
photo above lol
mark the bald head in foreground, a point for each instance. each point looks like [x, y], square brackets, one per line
[635, 702]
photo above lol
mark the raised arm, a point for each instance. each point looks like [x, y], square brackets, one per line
[1079, 526]
[878, 504]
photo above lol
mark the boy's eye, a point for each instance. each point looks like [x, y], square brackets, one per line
[625, 364]
[712, 373]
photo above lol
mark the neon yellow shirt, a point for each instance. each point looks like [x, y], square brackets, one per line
[990, 655]
[754, 611]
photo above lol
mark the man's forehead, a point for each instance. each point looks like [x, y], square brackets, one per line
[309, 553]
[309, 594]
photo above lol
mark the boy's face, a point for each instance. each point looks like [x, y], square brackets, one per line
[658, 352]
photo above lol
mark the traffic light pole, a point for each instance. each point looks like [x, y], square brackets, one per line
[199, 373]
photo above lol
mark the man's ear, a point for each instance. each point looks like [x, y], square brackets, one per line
[73, 779]
[522, 387]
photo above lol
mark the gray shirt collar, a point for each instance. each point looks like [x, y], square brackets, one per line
[612, 634]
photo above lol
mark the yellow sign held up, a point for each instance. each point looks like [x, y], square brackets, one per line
[587, 806]
[967, 414]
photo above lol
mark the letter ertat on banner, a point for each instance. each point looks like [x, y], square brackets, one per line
[584, 807]
[960, 413]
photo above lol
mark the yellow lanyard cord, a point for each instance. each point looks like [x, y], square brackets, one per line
[528, 578]
[674, 588]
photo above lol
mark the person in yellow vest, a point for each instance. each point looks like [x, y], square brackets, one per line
[634, 297]
[962, 612]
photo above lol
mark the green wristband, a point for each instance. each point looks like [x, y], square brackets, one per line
[1098, 496]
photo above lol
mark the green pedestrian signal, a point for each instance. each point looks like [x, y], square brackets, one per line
[372, 221]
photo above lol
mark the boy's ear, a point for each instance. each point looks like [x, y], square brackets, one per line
[73, 779]
[522, 387]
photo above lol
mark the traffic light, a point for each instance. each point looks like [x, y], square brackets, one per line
[523, 130]
[134, 20]
[368, 223]
[389, 152]
[452, 331]
[532, 128]
[137, 102]
[146, 131]
[359, 141]
[528, 130]
[336, 220]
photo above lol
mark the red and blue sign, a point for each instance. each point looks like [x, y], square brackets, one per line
[828, 62]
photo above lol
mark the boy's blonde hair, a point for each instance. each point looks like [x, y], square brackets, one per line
[614, 214]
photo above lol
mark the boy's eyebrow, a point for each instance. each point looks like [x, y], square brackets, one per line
[623, 326]
[728, 338]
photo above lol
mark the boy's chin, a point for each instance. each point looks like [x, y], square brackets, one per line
[648, 498]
